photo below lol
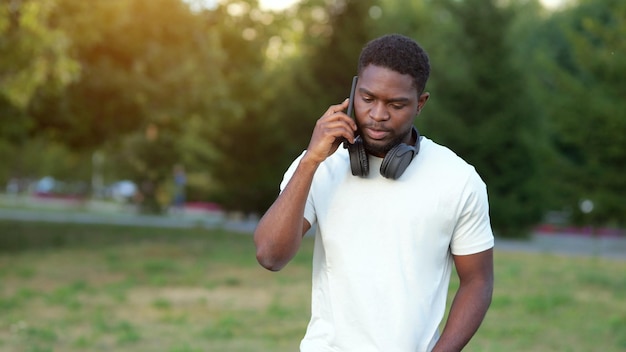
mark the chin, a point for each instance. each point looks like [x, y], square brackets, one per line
[378, 148]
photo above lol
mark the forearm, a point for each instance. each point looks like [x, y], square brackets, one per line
[467, 312]
[279, 233]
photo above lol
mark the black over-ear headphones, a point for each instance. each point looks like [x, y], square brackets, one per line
[395, 162]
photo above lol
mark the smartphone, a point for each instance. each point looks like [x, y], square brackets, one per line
[350, 110]
[352, 91]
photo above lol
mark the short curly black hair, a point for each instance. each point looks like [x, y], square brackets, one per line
[398, 53]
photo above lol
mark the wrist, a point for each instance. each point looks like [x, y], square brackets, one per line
[310, 161]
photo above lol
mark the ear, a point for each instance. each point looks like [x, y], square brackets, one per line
[421, 101]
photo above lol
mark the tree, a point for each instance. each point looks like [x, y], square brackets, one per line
[34, 56]
[242, 139]
[168, 68]
[32, 52]
[146, 66]
[580, 83]
[488, 116]
[133, 70]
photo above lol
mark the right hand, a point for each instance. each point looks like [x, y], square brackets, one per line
[330, 131]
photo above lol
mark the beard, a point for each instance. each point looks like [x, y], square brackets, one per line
[381, 147]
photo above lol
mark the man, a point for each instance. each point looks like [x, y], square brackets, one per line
[384, 245]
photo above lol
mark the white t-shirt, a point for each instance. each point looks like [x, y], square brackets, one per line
[382, 257]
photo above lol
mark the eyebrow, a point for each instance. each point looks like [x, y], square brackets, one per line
[392, 100]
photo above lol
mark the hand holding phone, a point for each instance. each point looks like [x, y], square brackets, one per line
[331, 130]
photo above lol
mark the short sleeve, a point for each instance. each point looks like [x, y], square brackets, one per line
[309, 209]
[473, 233]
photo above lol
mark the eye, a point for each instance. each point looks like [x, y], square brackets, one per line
[367, 99]
[397, 106]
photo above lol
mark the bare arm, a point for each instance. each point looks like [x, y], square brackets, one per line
[471, 301]
[279, 233]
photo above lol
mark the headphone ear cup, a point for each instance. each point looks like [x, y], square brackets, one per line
[397, 160]
[359, 163]
[399, 157]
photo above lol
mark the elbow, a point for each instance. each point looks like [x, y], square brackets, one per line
[268, 257]
[268, 261]
[273, 252]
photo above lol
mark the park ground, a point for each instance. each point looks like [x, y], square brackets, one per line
[545, 239]
[98, 277]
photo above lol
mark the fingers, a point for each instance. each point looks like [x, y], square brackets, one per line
[337, 124]
[336, 127]
[333, 109]
[337, 113]
[330, 130]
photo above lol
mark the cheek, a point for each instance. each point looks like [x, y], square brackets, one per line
[360, 113]
[403, 121]
[408, 115]
[403, 117]
[358, 107]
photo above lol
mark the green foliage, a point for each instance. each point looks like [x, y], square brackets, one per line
[581, 87]
[480, 106]
[32, 52]
[38, 156]
[149, 67]
[532, 98]
[242, 141]
[34, 56]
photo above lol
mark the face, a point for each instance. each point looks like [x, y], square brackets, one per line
[385, 104]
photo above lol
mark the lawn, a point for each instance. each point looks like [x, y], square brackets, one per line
[107, 288]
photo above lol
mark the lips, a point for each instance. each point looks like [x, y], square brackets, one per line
[376, 134]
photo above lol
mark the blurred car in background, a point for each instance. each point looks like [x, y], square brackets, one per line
[122, 191]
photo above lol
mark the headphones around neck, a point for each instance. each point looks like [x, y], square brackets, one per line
[394, 163]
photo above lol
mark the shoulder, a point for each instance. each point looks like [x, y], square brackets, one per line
[432, 149]
[468, 198]
[441, 162]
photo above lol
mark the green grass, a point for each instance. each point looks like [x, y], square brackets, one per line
[98, 288]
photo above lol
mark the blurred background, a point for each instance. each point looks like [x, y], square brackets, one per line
[159, 106]
[179, 117]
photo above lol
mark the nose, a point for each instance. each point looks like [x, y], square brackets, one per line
[379, 112]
